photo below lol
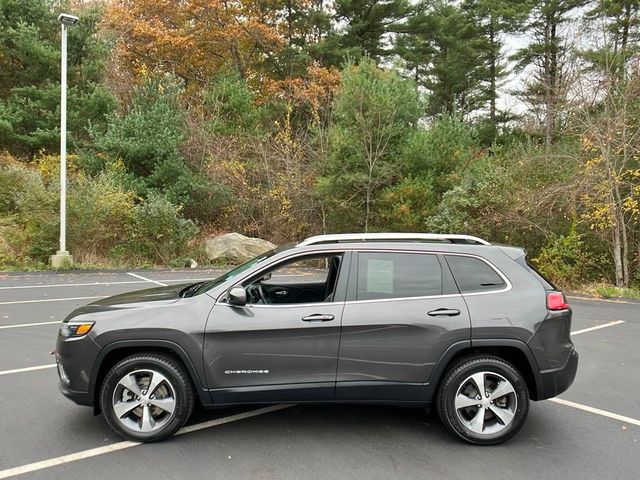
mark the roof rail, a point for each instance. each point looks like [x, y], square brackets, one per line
[389, 237]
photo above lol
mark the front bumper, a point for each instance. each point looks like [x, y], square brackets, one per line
[555, 381]
[81, 398]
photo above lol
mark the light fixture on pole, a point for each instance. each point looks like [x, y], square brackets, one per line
[62, 258]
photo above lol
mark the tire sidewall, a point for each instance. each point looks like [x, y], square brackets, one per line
[460, 374]
[183, 402]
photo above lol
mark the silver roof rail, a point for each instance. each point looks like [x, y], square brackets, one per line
[386, 237]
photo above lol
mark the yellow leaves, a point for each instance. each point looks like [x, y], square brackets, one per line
[194, 39]
[49, 166]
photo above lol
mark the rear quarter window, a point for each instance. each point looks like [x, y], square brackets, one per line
[474, 275]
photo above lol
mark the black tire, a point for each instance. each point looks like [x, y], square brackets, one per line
[457, 377]
[179, 382]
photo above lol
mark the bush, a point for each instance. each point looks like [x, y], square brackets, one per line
[100, 216]
[161, 234]
[566, 261]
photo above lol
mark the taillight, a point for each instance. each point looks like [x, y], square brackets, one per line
[556, 301]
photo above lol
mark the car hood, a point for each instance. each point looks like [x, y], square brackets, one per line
[141, 298]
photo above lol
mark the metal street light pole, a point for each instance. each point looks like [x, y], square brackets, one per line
[62, 258]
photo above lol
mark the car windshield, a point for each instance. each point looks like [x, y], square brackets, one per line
[206, 286]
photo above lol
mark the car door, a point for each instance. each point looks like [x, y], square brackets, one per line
[403, 311]
[284, 350]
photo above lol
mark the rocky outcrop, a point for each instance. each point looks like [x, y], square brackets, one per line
[235, 248]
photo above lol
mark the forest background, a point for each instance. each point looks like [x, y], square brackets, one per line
[514, 121]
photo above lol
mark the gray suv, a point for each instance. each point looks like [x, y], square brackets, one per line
[425, 320]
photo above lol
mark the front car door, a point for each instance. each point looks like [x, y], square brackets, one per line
[403, 311]
[282, 345]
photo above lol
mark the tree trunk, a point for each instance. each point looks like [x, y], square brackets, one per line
[617, 257]
[551, 66]
[492, 73]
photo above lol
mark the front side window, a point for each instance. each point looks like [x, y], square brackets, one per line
[310, 279]
[397, 275]
[474, 275]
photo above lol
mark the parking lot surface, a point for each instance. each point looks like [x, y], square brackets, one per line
[592, 431]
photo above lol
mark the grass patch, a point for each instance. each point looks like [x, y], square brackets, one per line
[611, 291]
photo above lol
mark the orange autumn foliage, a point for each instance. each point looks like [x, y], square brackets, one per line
[195, 39]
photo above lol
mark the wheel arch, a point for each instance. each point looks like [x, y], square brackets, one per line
[514, 352]
[116, 351]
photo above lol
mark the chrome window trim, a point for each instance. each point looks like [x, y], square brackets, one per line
[290, 257]
[508, 287]
[404, 299]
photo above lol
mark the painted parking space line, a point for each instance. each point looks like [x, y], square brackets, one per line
[106, 284]
[598, 327]
[146, 279]
[16, 302]
[27, 369]
[606, 300]
[21, 325]
[57, 285]
[93, 452]
[596, 411]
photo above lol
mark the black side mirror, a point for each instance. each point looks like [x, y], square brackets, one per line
[237, 296]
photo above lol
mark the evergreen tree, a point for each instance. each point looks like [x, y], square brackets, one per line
[443, 49]
[546, 54]
[622, 24]
[494, 19]
[30, 76]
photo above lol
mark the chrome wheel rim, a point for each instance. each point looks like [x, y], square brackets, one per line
[486, 403]
[144, 401]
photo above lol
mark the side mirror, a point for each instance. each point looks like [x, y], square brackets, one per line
[266, 277]
[237, 296]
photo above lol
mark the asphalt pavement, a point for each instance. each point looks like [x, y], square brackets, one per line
[591, 432]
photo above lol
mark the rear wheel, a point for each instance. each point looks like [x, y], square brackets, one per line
[483, 400]
[147, 397]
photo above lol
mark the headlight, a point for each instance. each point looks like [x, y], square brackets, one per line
[75, 329]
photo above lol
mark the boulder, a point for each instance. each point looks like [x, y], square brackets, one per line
[235, 248]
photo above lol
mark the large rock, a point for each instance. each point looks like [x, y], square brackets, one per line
[235, 248]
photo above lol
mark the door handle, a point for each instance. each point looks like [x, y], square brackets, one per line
[318, 317]
[444, 312]
[281, 293]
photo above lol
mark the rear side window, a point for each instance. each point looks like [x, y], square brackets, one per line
[397, 275]
[546, 284]
[474, 275]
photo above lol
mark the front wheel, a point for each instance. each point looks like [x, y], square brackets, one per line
[147, 397]
[483, 400]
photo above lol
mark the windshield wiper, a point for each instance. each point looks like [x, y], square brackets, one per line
[189, 290]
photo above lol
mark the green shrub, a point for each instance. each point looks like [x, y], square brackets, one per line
[161, 234]
[100, 215]
[566, 261]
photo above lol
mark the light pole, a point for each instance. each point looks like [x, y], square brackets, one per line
[62, 258]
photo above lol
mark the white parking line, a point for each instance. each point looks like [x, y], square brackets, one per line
[598, 327]
[27, 369]
[4, 327]
[50, 300]
[95, 284]
[93, 452]
[147, 279]
[596, 411]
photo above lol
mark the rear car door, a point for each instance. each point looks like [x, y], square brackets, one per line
[403, 311]
[282, 345]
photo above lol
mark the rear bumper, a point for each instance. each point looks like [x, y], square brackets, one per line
[553, 382]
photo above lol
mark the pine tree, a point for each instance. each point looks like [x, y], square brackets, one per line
[443, 50]
[546, 54]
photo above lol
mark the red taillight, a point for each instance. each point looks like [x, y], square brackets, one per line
[556, 301]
